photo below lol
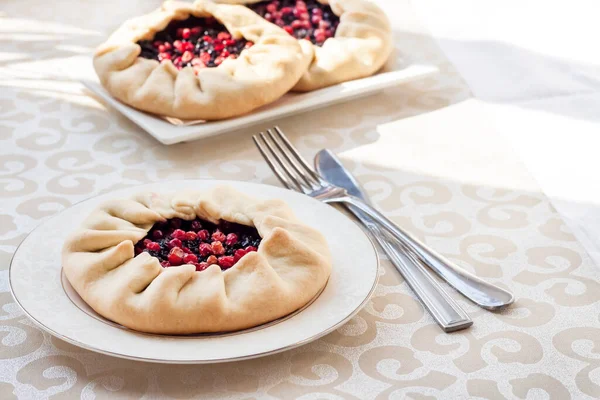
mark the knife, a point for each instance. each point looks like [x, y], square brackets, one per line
[483, 293]
[446, 312]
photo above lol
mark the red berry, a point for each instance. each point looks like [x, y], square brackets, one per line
[304, 16]
[187, 250]
[164, 56]
[178, 234]
[239, 253]
[231, 239]
[165, 264]
[167, 46]
[157, 43]
[250, 248]
[196, 30]
[174, 243]
[225, 53]
[230, 42]
[219, 47]
[207, 39]
[279, 22]
[212, 260]
[191, 235]
[176, 256]
[286, 10]
[223, 36]
[288, 29]
[205, 58]
[317, 11]
[226, 262]
[269, 17]
[188, 46]
[315, 19]
[162, 48]
[187, 56]
[157, 234]
[178, 46]
[201, 266]
[203, 234]
[217, 247]
[248, 45]
[190, 259]
[146, 242]
[153, 246]
[296, 24]
[306, 24]
[196, 225]
[205, 249]
[218, 235]
[271, 8]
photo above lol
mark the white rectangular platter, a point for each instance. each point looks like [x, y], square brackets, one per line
[291, 103]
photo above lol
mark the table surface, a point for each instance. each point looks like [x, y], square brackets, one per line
[427, 152]
[540, 85]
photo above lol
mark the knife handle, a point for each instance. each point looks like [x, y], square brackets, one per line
[446, 312]
[485, 294]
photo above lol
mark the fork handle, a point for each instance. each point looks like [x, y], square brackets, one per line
[483, 293]
[446, 312]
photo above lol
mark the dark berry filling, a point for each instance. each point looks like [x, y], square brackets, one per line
[195, 42]
[198, 242]
[306, 19]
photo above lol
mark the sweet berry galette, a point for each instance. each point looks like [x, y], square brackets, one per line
[203, 61]
[351, 38]
[194, 262]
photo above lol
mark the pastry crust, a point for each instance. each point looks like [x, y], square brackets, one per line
[360, 47]
[291, 266]
[260, 75]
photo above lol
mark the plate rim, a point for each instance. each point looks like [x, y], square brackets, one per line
[365, 86]
[196, 361]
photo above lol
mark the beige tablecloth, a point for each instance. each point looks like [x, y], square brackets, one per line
[424, 152]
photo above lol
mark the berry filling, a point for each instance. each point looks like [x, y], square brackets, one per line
[195, 42]
[198, 242]
[306, 19]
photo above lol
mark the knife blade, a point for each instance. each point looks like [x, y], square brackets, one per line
[446, 312]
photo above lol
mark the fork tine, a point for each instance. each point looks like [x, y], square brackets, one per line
[298, 156]
[284, 181]
[281, 166]
[293, 163]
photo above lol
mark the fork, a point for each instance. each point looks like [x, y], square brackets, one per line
[294, 172]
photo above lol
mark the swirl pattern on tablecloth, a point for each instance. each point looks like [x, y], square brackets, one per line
[59, 146]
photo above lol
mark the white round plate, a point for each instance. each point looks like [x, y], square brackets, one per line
[35, 281]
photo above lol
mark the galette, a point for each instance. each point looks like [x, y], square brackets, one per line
[195, 262]
[351, 38]
[202, 61]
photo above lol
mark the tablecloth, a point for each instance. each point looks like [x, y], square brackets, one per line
[541, 85]
[426, 152]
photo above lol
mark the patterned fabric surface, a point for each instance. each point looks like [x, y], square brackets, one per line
[423, 151]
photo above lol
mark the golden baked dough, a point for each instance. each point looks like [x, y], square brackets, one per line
[361, 45]
[260, 75]
[291, 266]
